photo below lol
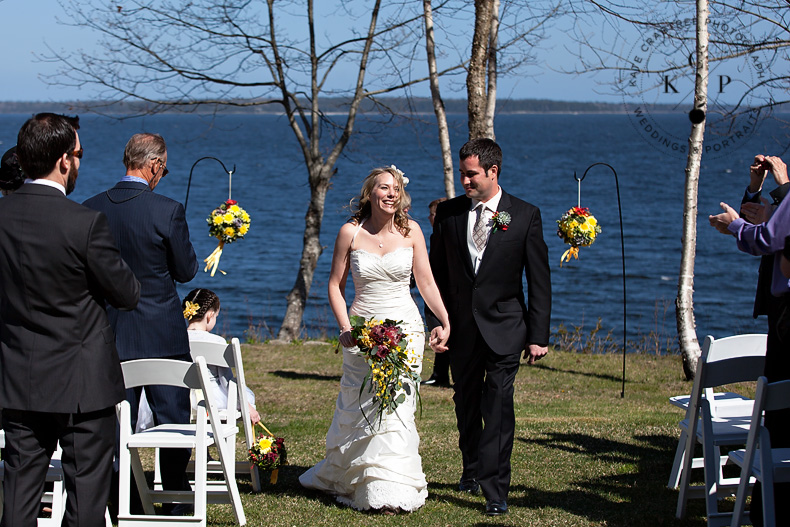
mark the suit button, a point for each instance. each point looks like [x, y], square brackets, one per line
[475, 310]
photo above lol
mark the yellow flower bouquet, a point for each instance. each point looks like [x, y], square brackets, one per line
[577, 228]
[227, 223]
[268, 452]
[392, 374]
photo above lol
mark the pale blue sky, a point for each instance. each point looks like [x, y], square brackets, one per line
[28, 26]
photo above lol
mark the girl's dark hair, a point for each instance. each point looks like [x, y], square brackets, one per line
[206, 300]
[11, 176]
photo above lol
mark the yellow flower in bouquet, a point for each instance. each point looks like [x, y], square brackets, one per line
[227, 223]
[577, 228]
[383, 345]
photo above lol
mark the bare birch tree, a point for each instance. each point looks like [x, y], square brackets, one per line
[438, 103]
[515, 29]
[684, 309]
[493, 49]
[477, 100]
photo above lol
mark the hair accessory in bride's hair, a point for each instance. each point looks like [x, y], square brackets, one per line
[401, 174]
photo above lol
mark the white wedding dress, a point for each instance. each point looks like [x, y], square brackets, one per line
[371, 467]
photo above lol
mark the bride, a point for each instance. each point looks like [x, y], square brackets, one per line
[378, 466]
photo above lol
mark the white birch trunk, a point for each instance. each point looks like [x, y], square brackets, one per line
[438, 103]
[493, 49]
[687, 334]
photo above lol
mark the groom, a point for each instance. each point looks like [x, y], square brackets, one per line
[482, 245]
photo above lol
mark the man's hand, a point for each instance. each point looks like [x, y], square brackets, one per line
[755, 212]
[757, 173]
[534, 353]
[721, 221]
[438, 339]
[777, 167]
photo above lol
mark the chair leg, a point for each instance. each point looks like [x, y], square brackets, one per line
[712, 470]
[674, 475]
[157, 471]
[140, 481]
[226, 450]
[685, 474]
[256, 478]
[201, 458]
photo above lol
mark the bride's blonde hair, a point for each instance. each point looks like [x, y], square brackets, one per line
[363, 207]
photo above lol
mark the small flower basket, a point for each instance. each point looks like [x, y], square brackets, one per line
[577, 228]
[227, 223]
[383, 345]
[268, 452]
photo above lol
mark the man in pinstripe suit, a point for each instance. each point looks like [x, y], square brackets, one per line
[152, 234]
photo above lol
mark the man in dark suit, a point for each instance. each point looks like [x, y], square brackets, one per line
[151, 232]
[482, 245]
[60, 376]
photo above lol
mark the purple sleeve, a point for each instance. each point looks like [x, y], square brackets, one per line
[763, 238]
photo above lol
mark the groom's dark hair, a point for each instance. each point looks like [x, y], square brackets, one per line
[487, 151]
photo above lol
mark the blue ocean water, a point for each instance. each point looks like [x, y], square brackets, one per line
[541, 154]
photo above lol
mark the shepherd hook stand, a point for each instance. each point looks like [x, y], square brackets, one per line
[189, 183]
[622, 251]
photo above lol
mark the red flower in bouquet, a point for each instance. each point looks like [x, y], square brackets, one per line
[392, 376]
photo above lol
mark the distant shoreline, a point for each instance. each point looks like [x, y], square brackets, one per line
[338, 107]
[329, 106]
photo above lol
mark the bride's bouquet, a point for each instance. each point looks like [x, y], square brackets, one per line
[227, 223]
[268, 452]
[383, 345]
[577, 228]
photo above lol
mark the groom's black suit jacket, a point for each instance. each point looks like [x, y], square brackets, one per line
[493, 300]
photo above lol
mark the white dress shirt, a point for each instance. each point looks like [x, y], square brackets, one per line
[489, 208]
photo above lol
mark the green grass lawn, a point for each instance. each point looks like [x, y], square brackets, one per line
[582, 455]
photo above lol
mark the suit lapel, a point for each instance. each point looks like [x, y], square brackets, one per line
[494, 239]
[461, 227]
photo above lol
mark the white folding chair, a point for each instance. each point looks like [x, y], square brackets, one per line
[758, 459]
[739, 358]
[229, 356]
[207, 431]
[736, 405]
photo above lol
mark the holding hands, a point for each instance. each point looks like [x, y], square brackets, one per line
[438, 340]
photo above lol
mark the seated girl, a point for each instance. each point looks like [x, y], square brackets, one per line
[201, 309]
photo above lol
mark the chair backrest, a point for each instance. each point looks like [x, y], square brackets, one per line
[168, 372]
[221, 355]
[738, 358]
[215, 353]
[775, 395]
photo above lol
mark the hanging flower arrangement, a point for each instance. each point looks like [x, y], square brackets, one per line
[577, 228]
[227, 223]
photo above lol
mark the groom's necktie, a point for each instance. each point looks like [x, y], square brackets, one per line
[480, 232]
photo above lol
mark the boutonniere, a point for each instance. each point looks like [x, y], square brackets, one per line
[501, 220]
